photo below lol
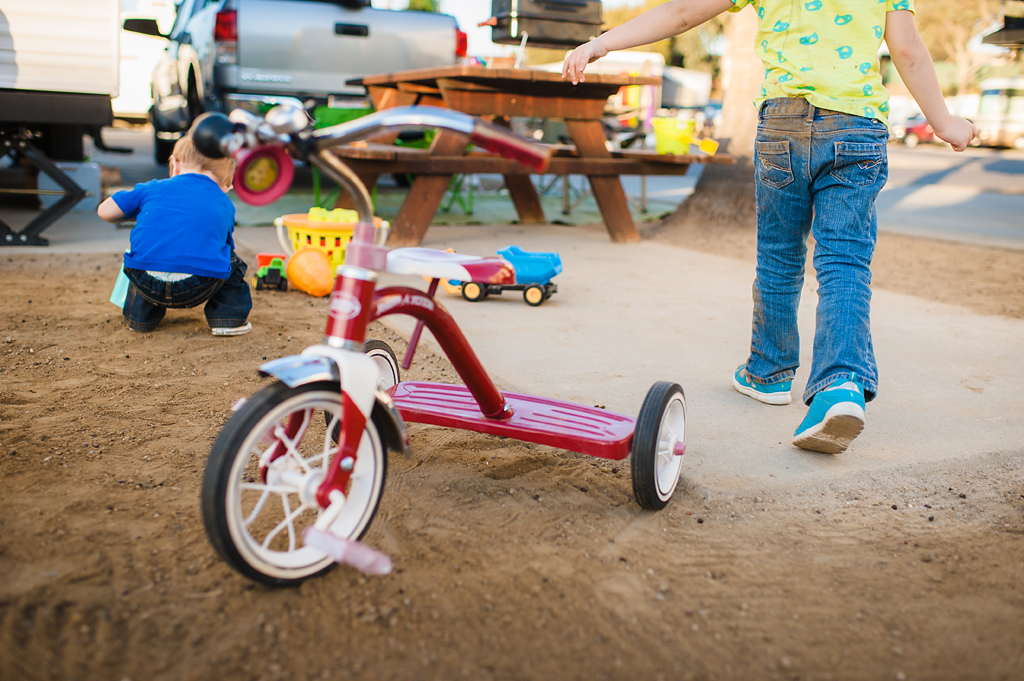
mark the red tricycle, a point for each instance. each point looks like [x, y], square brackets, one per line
[308, 452]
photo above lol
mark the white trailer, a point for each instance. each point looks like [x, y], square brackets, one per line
[59, 67]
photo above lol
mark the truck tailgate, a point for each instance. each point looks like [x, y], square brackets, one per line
[301, 46]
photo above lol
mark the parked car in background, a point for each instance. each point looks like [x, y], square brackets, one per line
[254, 54]
[139, 56]
[1000, 118]
[913, 131]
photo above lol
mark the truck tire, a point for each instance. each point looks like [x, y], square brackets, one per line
[162, 149]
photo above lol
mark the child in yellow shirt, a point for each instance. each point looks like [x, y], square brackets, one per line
[820, 162]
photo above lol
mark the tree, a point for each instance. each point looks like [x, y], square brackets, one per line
[724, 196]
[423, 5]
[949, 27]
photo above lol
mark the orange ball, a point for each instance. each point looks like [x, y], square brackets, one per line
[309, 270]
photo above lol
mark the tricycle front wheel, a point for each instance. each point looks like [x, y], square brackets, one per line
[259, 488]
[656, 456]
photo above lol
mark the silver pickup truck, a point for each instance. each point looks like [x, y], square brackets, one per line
[253, 54]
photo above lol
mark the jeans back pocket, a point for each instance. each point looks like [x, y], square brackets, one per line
[858, 163]
[774, 165]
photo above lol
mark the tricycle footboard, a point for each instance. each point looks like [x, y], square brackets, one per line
[587, 430]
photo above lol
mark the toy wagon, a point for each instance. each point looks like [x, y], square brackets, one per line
[534, 271]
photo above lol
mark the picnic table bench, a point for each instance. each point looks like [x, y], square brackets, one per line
[500, 93]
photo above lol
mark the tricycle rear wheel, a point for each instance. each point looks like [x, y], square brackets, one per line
[658, 441]
[381, 353]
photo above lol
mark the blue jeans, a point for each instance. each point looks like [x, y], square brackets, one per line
[228, 301]
[817, 172]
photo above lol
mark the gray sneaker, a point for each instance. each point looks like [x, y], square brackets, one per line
[233, 331]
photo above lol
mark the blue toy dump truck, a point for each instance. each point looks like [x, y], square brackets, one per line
[534, 271]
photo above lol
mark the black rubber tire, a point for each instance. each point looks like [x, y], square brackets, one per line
[474, 291]
[257, 283]
[162, 149]
[382, 353]
[232, 465]
[655, 480]
[534, 295]
[283, 284]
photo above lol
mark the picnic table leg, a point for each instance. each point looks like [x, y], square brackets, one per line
[588, 136]
[424, 197]
[525, 198]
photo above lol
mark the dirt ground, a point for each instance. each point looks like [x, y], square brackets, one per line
[513, 561]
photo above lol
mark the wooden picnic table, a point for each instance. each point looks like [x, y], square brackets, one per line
[498, 93]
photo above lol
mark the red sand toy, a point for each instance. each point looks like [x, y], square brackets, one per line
[309, 450]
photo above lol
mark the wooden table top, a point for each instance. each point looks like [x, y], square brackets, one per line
[593, 86]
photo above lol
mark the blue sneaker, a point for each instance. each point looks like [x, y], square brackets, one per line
[835, 417]
[776, 393]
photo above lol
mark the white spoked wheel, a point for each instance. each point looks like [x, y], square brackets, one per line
[386, 360]
[255, 510]
[656, 456]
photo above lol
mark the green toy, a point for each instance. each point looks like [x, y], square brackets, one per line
[271, 272]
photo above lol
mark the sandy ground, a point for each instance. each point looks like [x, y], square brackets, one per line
[513, 561]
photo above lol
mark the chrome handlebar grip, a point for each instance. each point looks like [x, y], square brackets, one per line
[405, 117]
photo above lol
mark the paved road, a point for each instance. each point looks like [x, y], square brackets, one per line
[976, 196]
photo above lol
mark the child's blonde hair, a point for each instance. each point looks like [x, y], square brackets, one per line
[188, 156]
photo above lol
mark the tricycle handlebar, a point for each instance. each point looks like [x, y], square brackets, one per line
[507, 144]
[262, 143]
[217, 135]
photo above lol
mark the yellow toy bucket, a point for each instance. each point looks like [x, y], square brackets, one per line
[298, 231]
[673, 136]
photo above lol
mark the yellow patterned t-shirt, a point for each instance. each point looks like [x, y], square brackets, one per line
[825, 51]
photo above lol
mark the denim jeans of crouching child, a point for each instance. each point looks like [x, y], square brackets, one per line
[817, 172]
[228, 301]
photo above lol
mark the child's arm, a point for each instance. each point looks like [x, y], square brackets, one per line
[664, 21]
[911, 58]
[110, 211]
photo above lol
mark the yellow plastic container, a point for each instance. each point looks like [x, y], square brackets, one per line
[673, 136]
[301, 230]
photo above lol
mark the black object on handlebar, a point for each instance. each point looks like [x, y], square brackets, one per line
[210, 131]
[509, 145]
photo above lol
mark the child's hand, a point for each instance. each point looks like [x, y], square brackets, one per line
[572, 67]
[958, 132]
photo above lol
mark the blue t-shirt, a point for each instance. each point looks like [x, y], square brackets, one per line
[182, 224]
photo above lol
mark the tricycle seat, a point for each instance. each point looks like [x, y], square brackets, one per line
[428, 262]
